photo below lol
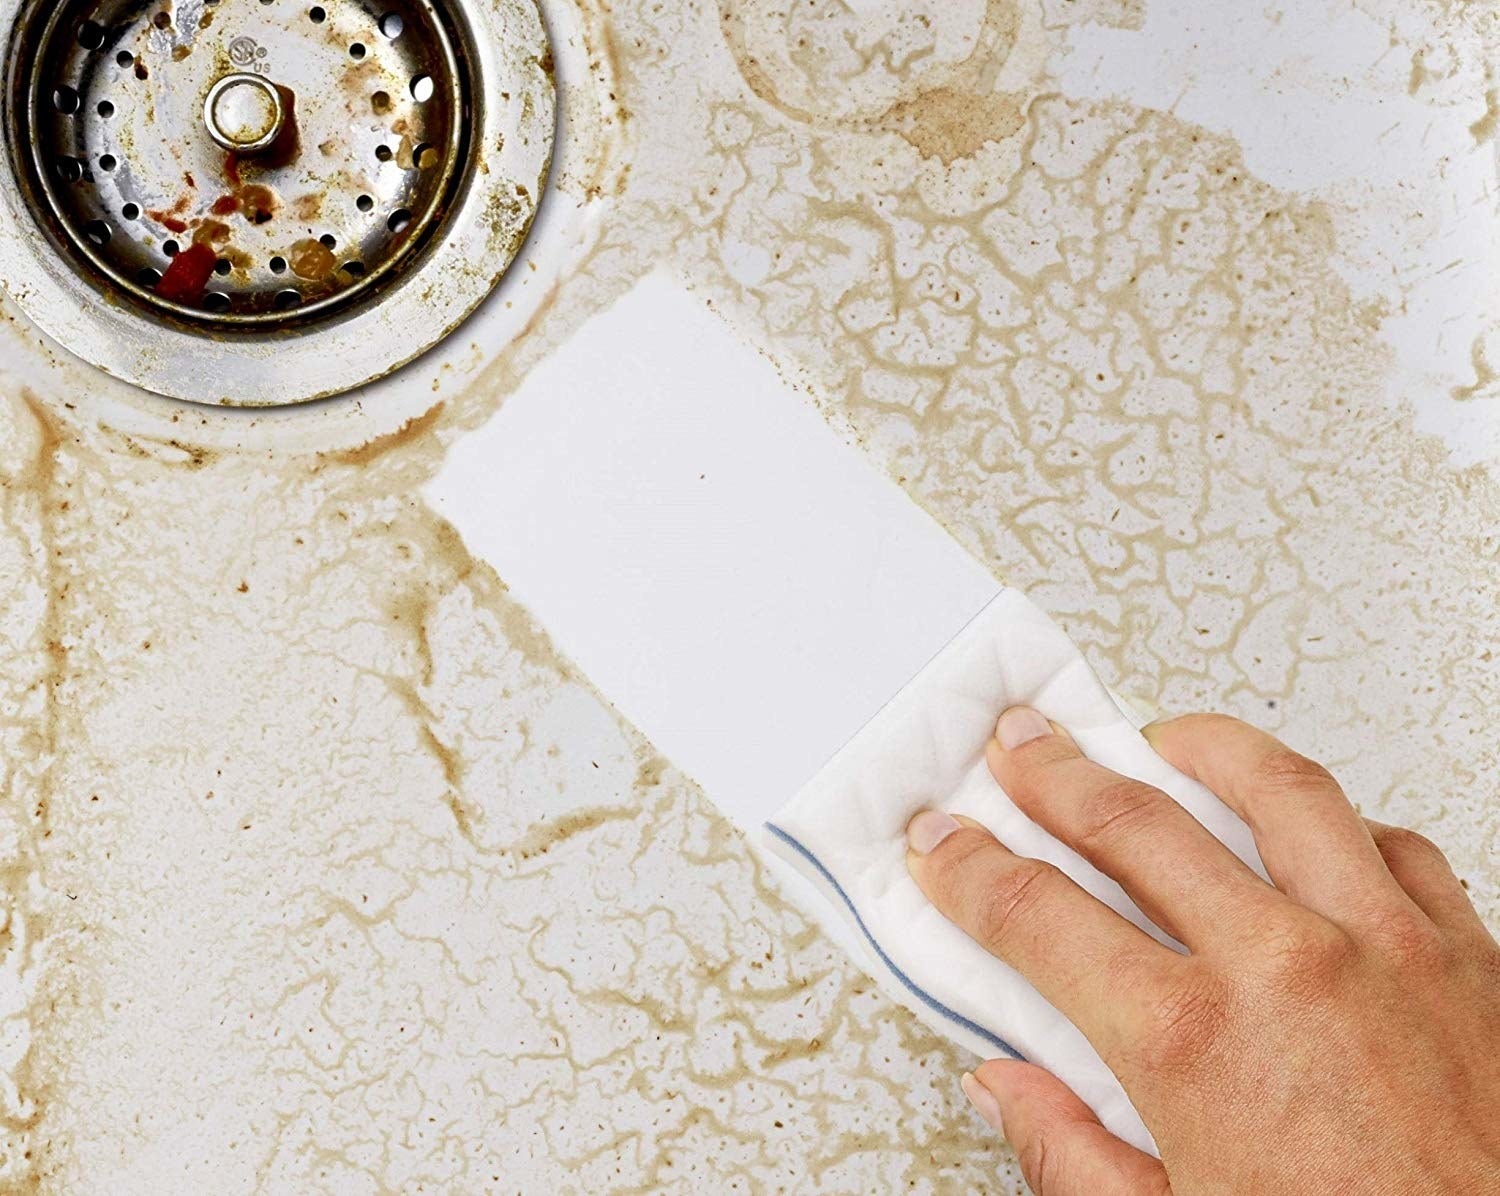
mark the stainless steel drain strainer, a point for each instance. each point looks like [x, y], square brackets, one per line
[265, 201]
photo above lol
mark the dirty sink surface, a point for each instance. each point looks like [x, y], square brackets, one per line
[325, 872]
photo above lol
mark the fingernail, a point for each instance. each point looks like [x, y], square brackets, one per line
[928, 829]
[1018, 725]
[984, 1103]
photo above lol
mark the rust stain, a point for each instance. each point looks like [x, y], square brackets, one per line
[411, 431]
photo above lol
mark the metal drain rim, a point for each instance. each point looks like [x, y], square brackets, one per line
[39, 178]
[507, 54]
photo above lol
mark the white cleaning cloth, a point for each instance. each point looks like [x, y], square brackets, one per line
[846, 832]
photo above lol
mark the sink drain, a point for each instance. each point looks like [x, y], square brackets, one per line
[266, 201]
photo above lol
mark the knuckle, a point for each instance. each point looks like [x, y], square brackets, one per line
[1050, 1168]
[1038, 1165]
[955, 855]
[1409, 938]
[1306, 958]
[1486, 964]
[1013, 900]
[1282, 771]
[950, 871]
[1120, 809]
[1185, 1021]
[1402, 841]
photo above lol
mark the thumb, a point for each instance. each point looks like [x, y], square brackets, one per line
[1062, 1148]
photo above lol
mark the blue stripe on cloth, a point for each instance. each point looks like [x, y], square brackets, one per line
[911, 985]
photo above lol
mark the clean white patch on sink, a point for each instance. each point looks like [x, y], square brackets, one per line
[744, 586]
[1326, 102]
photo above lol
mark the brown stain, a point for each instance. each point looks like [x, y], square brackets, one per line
[211, 232]
[950, 124]
[1484, 129]
[1485, 375]
[41, 480]
[27, 921]
[258, 203]
[412, 431]
[543, 837]
[949, 117]
[312, 260]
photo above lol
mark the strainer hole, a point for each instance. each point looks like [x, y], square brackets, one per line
[107, 162]
[328, 240]
[381, 102]
[98, 232]
[131, 212]
[316, 15]
[91, 35]
[65, 100]
[70, 169]
[171, 248]
[125, 58]
[357, 51]
[216, 301]
[399, 220]
[223, 266]
[383, 152]
[286, 300]
[426, 157]
[278, 265]
[422, 88]
[364, 203]
[354, 269]
[147, 277]
[162, 20]
[105, 109]
[392, 25]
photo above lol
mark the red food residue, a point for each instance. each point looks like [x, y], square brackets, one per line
[172, 218]
[187, 277]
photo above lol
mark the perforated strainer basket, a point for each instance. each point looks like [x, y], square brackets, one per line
[265, 201]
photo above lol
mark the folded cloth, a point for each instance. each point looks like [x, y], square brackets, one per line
[845, 831]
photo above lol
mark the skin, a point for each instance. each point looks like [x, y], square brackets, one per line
[1338, 1032]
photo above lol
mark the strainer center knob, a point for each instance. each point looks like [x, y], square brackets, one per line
[244, 113]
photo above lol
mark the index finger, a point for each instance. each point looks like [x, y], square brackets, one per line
[1102, 972]
[1183, 879]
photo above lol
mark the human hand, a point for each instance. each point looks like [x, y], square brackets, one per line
[1339, 1032]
